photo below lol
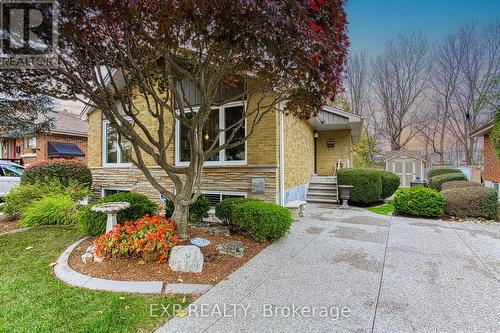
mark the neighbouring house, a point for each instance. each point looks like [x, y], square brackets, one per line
[407, 164]
[276, 164]
[66, 139]
[491, 169]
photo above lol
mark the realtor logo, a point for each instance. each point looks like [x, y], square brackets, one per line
[28, 30]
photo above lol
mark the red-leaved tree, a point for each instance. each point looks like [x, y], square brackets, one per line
[114, 53]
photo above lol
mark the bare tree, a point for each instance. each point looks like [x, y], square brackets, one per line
[400, 77]
[357, 82]
[479, 63]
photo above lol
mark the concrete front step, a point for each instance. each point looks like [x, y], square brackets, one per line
[323, 182]
[329, 188]
[322, 193]
[321, 200]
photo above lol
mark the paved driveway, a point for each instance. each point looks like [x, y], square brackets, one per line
[360, 272]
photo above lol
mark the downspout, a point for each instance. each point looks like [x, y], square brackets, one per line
[282, 155]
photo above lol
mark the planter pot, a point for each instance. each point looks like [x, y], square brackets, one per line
[150, 256]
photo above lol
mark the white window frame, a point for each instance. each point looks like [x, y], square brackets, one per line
[105, 164]
[26, 142]
[103, 189]
[222, 153]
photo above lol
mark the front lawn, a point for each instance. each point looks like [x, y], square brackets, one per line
[385, 209]
[33, 300]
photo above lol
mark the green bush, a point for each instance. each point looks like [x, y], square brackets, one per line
[390, 183]
[475, 201]
[437, 182]
[262, 220]
[458, 184]
[367, 184]
[94, 224]
[441, 171]
[419, 201]
[65, 171]
[197, 210]
[59, 209]
[19, 198]
[224, 209]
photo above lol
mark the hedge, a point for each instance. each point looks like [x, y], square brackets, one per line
[437, 182]
[67, 172]
[59, 209]
[390, 183]
[367, 184]
[262, 220]
[442, 171]
[197, 210]
[94, 223]
[458, 184]
[476, 201]
[419, 201]
[224, 209]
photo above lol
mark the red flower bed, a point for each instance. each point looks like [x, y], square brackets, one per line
[146, 235]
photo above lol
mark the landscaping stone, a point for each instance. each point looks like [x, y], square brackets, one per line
[200, 242]
[90, 249]
[233, 248]
[214, 228]
[186, 258]
[87, 257]
[98, 259]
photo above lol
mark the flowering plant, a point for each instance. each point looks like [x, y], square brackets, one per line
[146, 235]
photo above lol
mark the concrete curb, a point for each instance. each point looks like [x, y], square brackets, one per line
[65, 273]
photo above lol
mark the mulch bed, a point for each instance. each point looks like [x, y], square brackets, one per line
[7, 224]
[216, 266]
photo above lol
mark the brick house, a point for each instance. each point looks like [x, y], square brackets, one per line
[67, 139]
[491, 171]
[276, 164]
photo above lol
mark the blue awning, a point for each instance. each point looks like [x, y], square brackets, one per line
[64, 149]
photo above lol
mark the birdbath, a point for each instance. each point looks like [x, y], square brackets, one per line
[110, 208]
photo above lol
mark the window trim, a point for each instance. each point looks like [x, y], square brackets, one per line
[221, 193]
[222, 123]
[105, 164]
[124, 189]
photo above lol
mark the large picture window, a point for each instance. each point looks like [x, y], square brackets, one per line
[112, 154]
[220, 118]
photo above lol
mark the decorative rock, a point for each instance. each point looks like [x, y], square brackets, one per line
[200, 242]
[233, 248]
[98, 259]
[186, 258]
[214, 228]
[90, 249]
[87, 257]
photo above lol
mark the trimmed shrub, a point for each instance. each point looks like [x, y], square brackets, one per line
[262, 220]
[94, 223]
[19, 198]
[437, 182]
[149, 236]
[419, 201]
[197, 210]
[390, 183]
[60, 209]
[475, 201]
[367, 184]
[224, 209]
[442, 171]
[65, 171]
[458, 184]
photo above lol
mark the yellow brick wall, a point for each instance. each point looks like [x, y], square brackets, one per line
[328, 158]
[94, 153]
[299, 151]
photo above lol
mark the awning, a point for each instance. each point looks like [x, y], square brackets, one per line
[64, 149]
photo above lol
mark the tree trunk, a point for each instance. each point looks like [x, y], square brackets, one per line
[181, 217]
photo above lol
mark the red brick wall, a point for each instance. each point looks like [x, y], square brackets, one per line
[42, 147]
[491, 162]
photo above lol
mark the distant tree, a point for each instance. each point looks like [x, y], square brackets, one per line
[363, 152]
[400, 77]
[117, 54]
[19, 116]
[357, 82]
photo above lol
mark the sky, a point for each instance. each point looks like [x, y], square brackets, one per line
[372, 22]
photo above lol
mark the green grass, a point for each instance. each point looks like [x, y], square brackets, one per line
[33, 300]
[385, 209]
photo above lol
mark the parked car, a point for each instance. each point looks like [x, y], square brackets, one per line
[10, 176]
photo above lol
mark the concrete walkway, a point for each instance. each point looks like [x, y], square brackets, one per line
[369, 273]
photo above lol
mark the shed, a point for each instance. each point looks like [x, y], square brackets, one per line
[408, 165]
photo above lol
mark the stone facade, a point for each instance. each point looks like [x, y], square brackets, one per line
[491, 163]
[328, 157]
